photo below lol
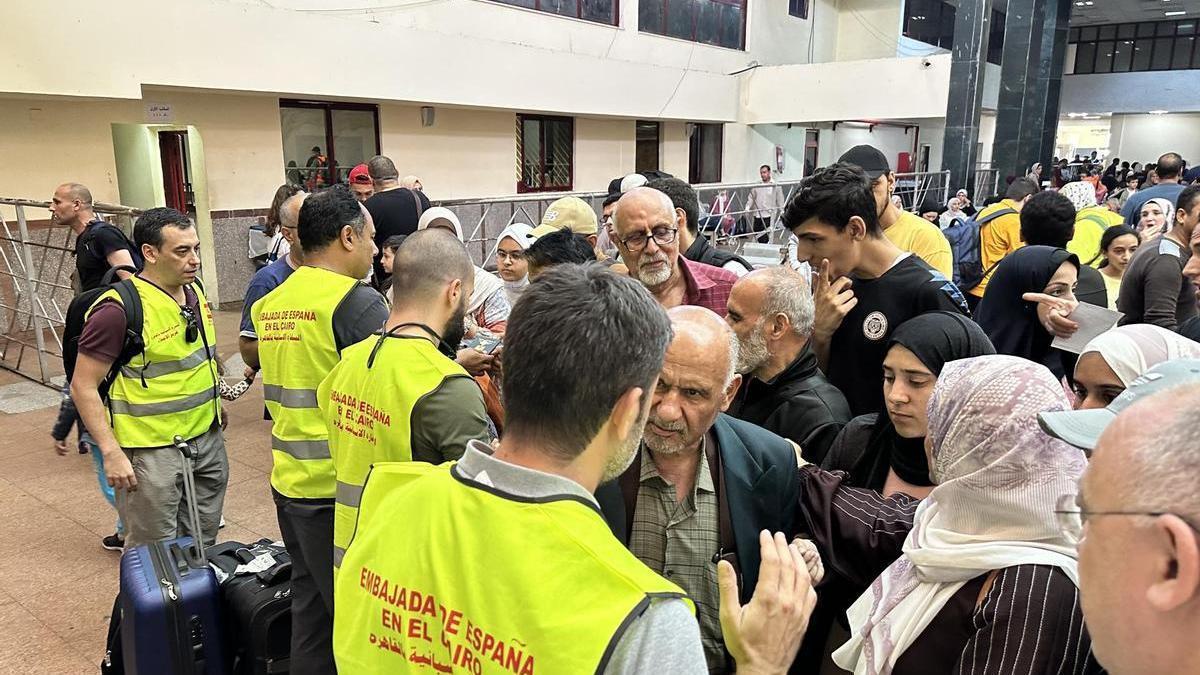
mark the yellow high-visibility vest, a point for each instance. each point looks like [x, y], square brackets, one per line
[367, 402]
[170, 389]
[445, 574]
[297, 349]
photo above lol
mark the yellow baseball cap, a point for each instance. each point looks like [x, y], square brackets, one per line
[568, 212]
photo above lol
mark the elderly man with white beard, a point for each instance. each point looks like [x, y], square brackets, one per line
[771, 312]
[647, 236]
[703, 484]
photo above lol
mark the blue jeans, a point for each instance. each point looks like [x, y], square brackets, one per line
[105, 489]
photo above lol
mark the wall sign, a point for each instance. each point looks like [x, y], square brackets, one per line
[159, 113]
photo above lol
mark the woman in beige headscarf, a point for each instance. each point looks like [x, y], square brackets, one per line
[488, 306]
[989, 570]
[411, 182]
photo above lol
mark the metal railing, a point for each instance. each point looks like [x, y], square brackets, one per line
[484, 219]
[36, 286]
[37, 263]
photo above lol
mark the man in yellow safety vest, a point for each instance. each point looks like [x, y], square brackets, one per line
[302, 327]
[503, 563]
[397, 396]
[167, 389]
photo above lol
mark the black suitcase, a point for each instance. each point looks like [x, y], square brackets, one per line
[257, 605]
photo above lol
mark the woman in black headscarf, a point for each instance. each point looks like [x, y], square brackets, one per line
[1018, 324]
[886, 452]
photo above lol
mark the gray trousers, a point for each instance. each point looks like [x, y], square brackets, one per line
[156, 510]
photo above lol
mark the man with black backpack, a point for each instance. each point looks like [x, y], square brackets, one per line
[999, 233]
[146, 374]
[99, 246]
[101, 250]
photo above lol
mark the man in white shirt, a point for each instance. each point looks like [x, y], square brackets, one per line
[764, 202]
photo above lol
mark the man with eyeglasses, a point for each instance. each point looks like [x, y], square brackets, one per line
[268, 278]
[647, 235]
[1137, 516]
[166, 390]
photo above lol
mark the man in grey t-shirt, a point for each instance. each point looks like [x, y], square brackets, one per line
[1154, 289]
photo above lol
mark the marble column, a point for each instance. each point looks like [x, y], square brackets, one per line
[968, 61]
[1030, 82]
[1059, 13]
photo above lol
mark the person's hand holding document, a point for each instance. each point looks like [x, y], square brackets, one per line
[1092, 321]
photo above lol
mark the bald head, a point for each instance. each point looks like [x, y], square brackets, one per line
[289, 210]
[781, 290]
[75, 192]
[700, 331]
[1161, 471]
[1139, 558]
[425, 263]
[644, 202]
[382, 169]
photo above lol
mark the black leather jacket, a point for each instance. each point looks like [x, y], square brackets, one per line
[798, 404]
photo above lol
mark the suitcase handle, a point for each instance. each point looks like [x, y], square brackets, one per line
[194, 554]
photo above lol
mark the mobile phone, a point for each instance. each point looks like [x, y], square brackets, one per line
[491, 349]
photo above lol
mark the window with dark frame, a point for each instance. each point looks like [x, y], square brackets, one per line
[647, 142]
[811, 141]
[545, 153]
[599, 11]
[705, 148]
[712, 22]
[798, 8]
[324, 140]
[932, 22]
[1136, 47]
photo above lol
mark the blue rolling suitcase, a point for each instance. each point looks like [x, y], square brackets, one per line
[170, 605]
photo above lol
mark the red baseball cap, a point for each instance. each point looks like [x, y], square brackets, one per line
[360, 175]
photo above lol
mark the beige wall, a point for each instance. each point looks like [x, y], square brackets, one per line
[56, 140]
[466, 153]
[868, 29]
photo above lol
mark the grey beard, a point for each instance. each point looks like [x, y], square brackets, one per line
[752, 352]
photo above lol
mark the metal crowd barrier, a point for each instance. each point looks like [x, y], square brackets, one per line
[484, 219]
[37, 264]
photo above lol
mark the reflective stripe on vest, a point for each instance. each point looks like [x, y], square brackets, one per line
[368, 412]
[464, 576]
[290, 398]
[158, 369]
[296, 348]
[170, 389]
[179, 405]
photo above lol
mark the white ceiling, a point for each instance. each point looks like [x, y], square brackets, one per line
[1127, 11]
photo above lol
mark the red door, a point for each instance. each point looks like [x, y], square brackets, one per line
[171, 150]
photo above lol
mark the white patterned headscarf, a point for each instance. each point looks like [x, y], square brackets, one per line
[998, 478]
[1132, 350]
[1081, 194]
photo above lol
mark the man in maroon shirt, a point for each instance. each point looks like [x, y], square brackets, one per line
[648, 238]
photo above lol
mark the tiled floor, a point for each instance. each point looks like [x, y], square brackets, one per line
[56, 583]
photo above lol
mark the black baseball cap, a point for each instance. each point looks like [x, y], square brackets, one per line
[867, 158]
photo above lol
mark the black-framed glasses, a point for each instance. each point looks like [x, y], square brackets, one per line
[1071, 518]
[515, 256]
[192, 331]
[661, 235]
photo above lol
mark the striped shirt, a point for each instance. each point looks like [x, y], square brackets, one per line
[1029, 621]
